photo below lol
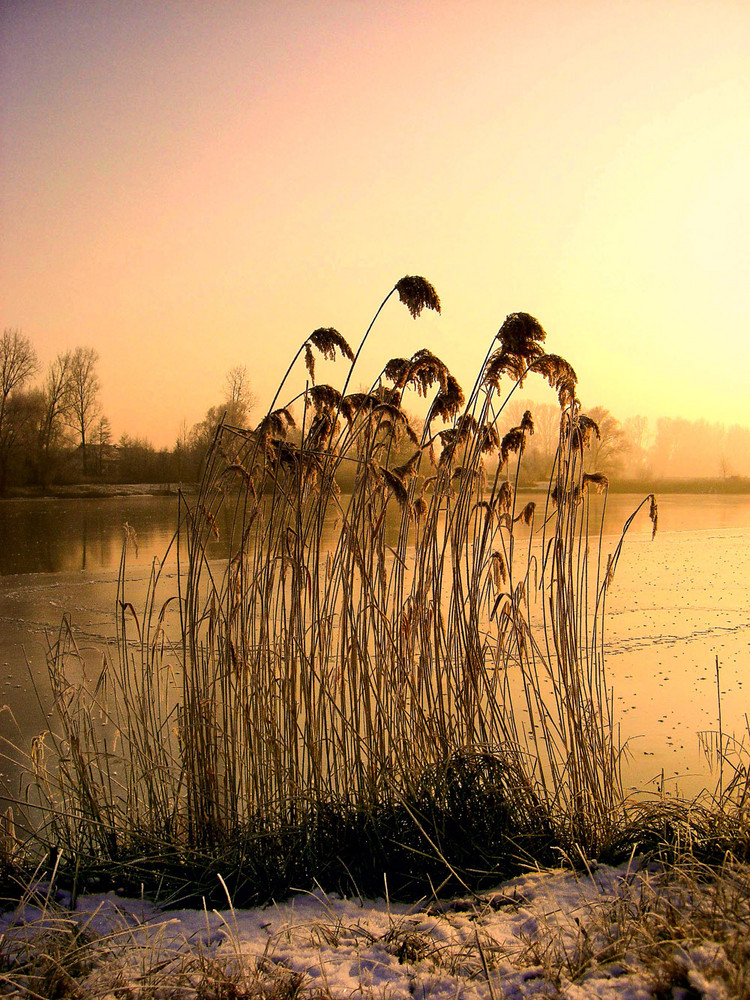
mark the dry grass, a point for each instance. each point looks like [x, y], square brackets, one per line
[416, 662]
[680, 930]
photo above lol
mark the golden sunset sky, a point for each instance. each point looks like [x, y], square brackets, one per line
[188, 185]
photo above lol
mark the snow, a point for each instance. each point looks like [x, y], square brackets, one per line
[522, 940]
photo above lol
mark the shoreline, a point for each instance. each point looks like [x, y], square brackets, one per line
[735, 486]
[101, 491]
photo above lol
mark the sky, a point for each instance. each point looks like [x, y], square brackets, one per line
[188, 186]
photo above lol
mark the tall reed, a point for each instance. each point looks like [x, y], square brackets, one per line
[356, 647]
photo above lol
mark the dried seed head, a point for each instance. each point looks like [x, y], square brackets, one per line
[520, 338]
[448, 401]
[407, 428]
[397, 371]
[489, 511]
[505, 497]
[586, 427]
[653, 513]
[358, 402]
[310, 363]
[527, 423]
[324, 397]
[311, 467]
[451, 438]
[597, 479]
[560, 495]
[465, 427]
[499, 569]
[327, 340]
[417, 293]
[210, 519]
[527, 514]
[408, 469]
[489, 439]
[522, 335]
[425, 370]
[559, 374]
[390, 415]
[391, 397]
[566, 394]
[235, 469]
[370, 472]
[513, 442]
[275, 424]
[397, 487]
[323, 429]
[502, 363]
[422, 371]
[286, 416]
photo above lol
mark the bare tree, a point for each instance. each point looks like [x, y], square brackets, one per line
[21, 420]
[18, 362]
[82, 399]
[607, 451]
[235, 409]
[691, 448]
[103, 437]
[182, 450]
[56, 390]
[636, 431]
[238, 388]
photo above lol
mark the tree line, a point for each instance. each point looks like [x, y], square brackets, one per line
[671, 448]
[53, 430]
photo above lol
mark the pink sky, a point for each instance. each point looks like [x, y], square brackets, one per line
[189, 185]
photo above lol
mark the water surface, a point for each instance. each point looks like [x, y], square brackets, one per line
[677, 603]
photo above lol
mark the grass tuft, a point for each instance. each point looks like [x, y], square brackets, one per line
[398, 670]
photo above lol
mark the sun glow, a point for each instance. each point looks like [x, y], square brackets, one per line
[662, 247]
[186, 194]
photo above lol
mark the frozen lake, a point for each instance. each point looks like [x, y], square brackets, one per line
[676, 603]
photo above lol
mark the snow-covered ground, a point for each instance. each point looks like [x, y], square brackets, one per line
[602, 932]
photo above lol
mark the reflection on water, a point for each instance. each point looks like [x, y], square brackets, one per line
[63, 536]
[676, 603]
[60, 536]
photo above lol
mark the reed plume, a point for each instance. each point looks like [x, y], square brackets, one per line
[417, 294]
[372, 628]
[328, 341]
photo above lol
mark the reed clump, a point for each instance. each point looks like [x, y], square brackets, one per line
[414, 665]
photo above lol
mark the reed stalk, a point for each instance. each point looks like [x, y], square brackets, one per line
[412, 640]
